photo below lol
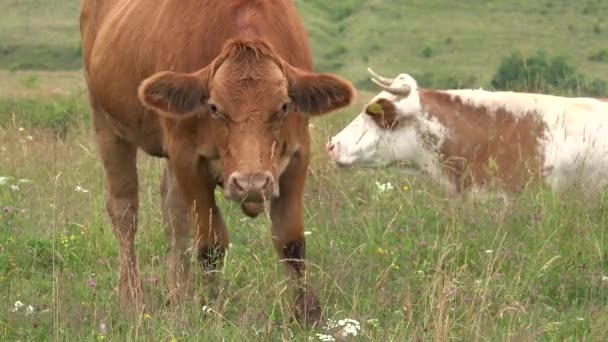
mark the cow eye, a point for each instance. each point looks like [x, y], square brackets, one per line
[215, 112]
[280, 115]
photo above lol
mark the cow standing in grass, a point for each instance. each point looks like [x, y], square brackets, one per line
[223, 90]
[467, 139]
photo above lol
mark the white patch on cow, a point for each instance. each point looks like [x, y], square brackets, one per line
[577, 147]
[363, 143]
[575, 144]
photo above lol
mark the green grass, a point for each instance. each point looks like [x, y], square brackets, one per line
[600, 56]
[426, 266]
[37, 34]
[423, 265]
[55, 114]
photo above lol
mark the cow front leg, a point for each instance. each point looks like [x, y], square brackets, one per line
[178, 228]
[119, 162]
[288, 238]
[212, 242]
[211, 236]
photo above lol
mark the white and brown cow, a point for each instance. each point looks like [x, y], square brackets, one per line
[469, 138]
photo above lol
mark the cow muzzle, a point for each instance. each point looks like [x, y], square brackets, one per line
[334, 153]
[251, 187]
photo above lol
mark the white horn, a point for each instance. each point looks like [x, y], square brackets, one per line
[403, 90]
[387, 81]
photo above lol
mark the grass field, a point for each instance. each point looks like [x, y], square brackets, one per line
[409, 263]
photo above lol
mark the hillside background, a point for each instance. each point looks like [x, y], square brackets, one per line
[442, 43]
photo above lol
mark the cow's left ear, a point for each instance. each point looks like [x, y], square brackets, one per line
[318, 94]
[174, 94]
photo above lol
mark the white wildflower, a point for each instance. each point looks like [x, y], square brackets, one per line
[349, 330]
[103, 328]
[351, 327]
[345, 327]
[330, 324]
[580, 319]
[207, 310]
[4, 180]
[384, 187]
[605, 278]
[351, 321]
[478, 281]
[306, 233]
[374, 322]
[30, 138]
[21, 129]
[489, 251]
[17, 306]
[29, 310]
[327, 338]
[14, 188]
[80, 189]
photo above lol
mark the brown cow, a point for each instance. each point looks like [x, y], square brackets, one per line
[223, 90]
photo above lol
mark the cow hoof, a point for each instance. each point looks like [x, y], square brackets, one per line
[307, 310]
[253, 209]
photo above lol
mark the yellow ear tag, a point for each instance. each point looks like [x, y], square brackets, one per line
[374, 109]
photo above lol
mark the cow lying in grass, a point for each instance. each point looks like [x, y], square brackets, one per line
[469, 138]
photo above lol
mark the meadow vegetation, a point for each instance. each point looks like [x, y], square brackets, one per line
[405, 260]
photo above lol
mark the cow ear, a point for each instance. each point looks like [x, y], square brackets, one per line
[174, 94]
[318, 94]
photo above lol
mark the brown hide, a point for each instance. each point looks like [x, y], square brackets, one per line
[485, 145]
[384, 113]
[224, 90]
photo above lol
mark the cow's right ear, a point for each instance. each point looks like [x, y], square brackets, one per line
[174, 94]
[318, 94]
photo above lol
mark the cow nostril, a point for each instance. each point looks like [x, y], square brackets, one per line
[266, 181]
[332, 149]
[239, 183]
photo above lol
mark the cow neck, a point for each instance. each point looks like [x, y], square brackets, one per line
[483, 144]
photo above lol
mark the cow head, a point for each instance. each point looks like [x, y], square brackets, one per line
[247, 112]
[386, 131]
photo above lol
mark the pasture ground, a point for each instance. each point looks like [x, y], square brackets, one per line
[407, 263]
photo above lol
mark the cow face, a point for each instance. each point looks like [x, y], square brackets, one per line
[385, 132]
[247, 112]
